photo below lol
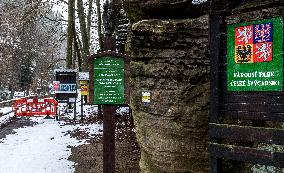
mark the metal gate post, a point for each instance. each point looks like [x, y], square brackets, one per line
[82, 97]
[75, 111]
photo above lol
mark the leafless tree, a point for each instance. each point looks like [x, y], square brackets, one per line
[30, 41]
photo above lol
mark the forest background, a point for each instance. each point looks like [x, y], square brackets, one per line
[38, 36]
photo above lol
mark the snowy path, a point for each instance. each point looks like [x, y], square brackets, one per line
[42, 148]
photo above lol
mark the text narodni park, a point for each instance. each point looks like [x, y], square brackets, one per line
[255, 56]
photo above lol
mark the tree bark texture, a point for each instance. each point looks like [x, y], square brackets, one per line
[84, 34]
[98, 4]
[70, 33]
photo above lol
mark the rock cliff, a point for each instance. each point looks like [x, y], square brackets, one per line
[171, 63]
[164, 9]
[170, 60]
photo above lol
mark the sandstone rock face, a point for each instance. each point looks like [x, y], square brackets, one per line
[164, 9]
[171, 61]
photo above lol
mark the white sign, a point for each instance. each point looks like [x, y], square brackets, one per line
[146, 96]
[19, 94]
[72, 100]
[84, 76]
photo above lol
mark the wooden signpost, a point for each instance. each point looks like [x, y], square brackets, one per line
[109, 80]
[109, 73]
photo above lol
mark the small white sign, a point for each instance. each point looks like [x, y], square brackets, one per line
[19, 94]
[146, 96]
[84, 76]
[72, 100]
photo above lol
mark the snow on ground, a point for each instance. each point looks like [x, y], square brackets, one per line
[6, 118]
[88, 110]
[43, 148]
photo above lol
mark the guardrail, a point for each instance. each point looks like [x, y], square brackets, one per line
[9, 102]
[6, 113]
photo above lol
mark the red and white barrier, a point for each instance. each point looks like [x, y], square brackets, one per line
[35, 107]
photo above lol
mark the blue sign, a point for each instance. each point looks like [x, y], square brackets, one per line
[67, 88]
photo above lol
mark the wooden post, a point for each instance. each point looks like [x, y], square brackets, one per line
[214, 19]
[109, 138]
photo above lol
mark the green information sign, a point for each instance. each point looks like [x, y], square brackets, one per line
[109, 80]
[255, 56]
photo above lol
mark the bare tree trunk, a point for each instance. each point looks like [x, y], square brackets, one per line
[74, 51]
[89, 19]
[78, 46]
[84, 34]
[70, 32]
[98, 4]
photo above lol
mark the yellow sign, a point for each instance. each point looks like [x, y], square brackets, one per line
[83, 82]
[146, 97]
[84, 90]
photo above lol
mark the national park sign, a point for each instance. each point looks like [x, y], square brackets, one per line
[109, 80]
[255, 56]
